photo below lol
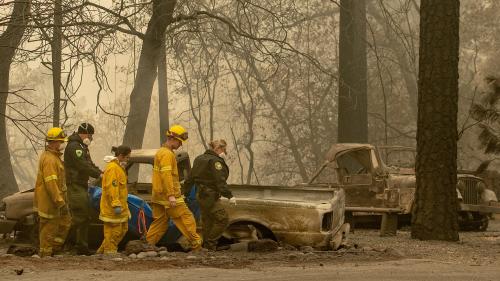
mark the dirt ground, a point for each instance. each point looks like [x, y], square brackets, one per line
[475, 257]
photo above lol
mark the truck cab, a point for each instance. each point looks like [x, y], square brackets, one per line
[381, 180]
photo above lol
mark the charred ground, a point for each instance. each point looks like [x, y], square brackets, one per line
[478, 249]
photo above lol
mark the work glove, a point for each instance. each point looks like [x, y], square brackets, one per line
[117, 210]
[232, 201]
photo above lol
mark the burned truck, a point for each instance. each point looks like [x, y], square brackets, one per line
[381, 180]
[299, 216]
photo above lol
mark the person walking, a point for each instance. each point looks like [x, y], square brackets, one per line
[167, 200]
[114, 210]
[209, 174]
[50, 198]
[79, 167]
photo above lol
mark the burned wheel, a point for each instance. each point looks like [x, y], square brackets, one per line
[27, 230]
[243, 231]
[473, 221]
[484, 222]
[248, 236]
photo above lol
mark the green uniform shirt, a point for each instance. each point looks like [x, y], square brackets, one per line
[209, 171]
[78, 163]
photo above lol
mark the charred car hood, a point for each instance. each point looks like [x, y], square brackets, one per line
[400, 171]
[402, 180]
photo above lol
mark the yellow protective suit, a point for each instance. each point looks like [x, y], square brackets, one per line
[53, 233]
[165, 177]
[113, 235]
[114, 194]
[50, 203]
[165, 184]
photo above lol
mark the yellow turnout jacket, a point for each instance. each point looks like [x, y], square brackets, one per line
[165, 178]
[50, 187]
[114, 194]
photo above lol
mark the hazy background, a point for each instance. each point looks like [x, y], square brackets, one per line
[208, 69]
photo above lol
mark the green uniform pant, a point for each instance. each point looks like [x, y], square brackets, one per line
[214, 218]
[80, 214]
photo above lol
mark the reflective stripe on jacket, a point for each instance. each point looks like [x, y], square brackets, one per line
[50, 187]
[114, 194]
[165, 178]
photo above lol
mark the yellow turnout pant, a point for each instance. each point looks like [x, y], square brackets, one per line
[182, 218]
[113, 235]
[53, 233]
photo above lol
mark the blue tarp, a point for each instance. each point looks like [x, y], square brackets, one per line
[135, 204]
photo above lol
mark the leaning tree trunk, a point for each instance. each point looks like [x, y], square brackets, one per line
[352, 112]
[163, 93]
[436, 205]
[140, 98]
[9, 41]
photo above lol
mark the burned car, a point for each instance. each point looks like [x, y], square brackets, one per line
[17, 214]
[381, 180]
[299, 216]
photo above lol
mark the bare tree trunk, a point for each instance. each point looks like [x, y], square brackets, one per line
[205, 86]
[140, 98]
[268, 97]
[435, 209]
[410, 81]
[397, 47]
[250, 119]
[248, 110]
[163, 93]
[236, 148]
[56, 46]
[9, 41]
[195, 110]
[212, 67]
[352, 115]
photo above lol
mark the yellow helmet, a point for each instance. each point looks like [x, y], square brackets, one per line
[56, 134]
[178, 132]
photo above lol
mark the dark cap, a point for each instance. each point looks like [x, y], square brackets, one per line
[86, 128]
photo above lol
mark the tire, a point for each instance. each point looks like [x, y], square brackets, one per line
[248, 231]
[483, 226]
[473, 221]
[28, 231]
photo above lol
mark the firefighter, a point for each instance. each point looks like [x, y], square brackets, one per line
[167, 200]
[50, 200]
[79, 167]
[209, 174]
[114, 210]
